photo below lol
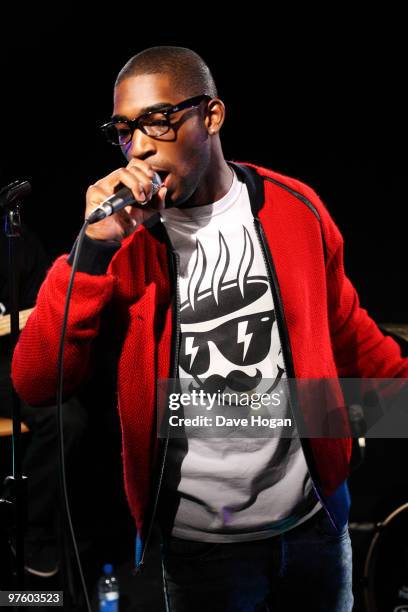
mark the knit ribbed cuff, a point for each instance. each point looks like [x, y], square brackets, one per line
[95, 255]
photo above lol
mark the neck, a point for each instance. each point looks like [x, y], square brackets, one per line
[214, 185]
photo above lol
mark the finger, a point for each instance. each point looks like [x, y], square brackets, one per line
[158, 201]
[126, 220]
[142, 166]
[95, 195]
[140, 214]
[161, 198]
[137, 183]
[146, 181]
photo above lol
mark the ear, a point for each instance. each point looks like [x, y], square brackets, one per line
[215, 115]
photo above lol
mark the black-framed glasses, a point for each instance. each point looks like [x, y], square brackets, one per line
[119, 131]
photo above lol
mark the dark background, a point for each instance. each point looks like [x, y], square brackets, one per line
[318, 96]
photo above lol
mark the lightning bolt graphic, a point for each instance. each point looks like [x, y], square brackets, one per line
[244, 337]
[190, 349]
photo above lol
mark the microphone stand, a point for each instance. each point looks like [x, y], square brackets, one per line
[13, 509]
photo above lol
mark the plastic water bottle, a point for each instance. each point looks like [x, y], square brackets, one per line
[108, 590]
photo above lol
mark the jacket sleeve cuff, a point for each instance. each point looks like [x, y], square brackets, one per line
[95, 255]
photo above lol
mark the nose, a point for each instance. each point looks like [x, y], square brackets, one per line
[141, 146]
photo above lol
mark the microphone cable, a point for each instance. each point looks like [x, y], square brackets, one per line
[107, 208]
[66, 513]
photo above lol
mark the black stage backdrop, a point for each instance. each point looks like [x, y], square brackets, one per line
[317, 96]
[314, 95]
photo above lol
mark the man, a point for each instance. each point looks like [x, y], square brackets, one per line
[229, 276]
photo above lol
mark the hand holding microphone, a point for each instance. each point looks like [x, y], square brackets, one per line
[114, 216]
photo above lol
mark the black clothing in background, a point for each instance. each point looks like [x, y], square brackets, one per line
[32, 264]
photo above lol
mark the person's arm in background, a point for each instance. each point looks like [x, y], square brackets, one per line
[33, 268]
[32, 264]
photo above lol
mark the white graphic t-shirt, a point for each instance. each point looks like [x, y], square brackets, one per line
[230, 488]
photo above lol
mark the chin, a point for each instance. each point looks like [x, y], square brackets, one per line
[172, 201]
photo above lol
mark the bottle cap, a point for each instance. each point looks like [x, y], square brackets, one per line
[107, 568]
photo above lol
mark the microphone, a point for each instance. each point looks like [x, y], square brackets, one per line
[120, 199]
[13, 193]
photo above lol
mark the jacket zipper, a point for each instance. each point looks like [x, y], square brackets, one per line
[286, 348]
[286, 354]
[175, 351]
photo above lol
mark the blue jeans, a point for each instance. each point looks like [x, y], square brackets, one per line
[308, 567]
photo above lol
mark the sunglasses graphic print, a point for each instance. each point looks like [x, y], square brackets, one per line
[243, 341]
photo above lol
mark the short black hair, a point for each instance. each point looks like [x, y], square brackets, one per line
[189, 72]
